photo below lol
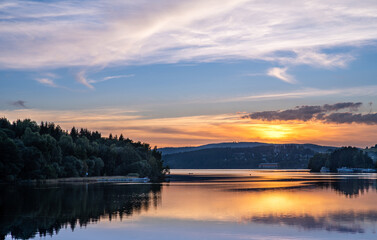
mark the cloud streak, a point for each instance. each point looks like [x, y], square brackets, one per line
[304, 93]
[81, 78]
[327, 113]
[110, 78]
[100, 33]
[47, 82]
[280, 73]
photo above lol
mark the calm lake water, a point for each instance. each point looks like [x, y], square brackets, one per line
[197, 204]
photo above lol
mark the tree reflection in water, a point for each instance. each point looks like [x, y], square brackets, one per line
[26, 211]
[334, 221]
[351, 187]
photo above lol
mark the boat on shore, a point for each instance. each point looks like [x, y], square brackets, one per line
[355, 170]
[128, 180]
[345, 170]
[369, 170]
[324, 170]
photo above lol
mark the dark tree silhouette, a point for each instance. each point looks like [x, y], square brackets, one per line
[32, 151]
[350, 157]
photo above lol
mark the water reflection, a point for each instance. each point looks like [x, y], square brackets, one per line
[338, 222]
[305, 201]
[216, 204]
[28, 210]
[351, 187]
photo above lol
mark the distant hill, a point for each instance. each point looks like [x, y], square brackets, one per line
[171, 150]
[241, 155]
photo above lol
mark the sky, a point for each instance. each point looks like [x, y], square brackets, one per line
[187, 73]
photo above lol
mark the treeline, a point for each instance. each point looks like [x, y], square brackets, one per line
[32, 151]
[287, 156]
[349, 157]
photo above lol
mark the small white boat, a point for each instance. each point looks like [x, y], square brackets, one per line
[345, 170]
[324, 170]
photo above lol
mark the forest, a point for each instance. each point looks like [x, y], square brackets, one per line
[45, 151]
[349, 157]
[286, 155]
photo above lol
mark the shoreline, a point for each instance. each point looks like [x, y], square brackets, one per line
[120, 179]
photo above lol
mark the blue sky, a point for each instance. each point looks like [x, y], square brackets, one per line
[166, 64]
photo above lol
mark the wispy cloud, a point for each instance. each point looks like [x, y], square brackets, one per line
[47, 82]
[48, 79]
[72, 33]
[253, 74]
[316, 58]
[81, 78]
[119, 76]
[280, 73]
[110, 78]
[304, 93]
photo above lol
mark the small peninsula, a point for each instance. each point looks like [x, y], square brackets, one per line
[343, 159]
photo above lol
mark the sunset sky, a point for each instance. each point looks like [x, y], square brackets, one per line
[186, 73]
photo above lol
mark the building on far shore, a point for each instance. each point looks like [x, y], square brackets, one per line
[269, 165]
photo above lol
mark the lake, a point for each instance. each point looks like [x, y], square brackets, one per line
[197, 204]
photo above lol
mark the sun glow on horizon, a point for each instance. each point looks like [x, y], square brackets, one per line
[204, 129]
[272, 131]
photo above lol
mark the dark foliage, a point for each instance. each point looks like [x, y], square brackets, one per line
[32, 151]
[349, 157]
[318, 161]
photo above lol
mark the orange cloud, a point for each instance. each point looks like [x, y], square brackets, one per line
[196, 130]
